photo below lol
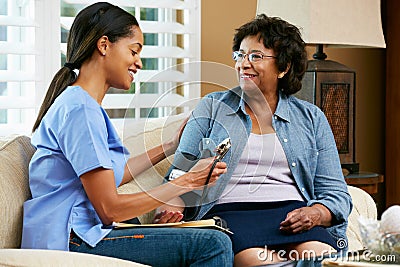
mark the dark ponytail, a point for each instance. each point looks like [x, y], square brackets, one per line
[61, 80]
[91, 23]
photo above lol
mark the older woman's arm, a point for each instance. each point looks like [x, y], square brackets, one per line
[331, 204]
[330, 188]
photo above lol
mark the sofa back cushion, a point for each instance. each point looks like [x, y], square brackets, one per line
[15, 154]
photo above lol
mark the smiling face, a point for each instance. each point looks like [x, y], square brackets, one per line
[262, 75]
[124, 59]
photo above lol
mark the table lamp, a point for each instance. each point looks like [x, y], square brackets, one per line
[327, 83]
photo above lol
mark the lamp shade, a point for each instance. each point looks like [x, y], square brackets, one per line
[331, 22]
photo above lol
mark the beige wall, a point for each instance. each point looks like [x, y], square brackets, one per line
[369, 65]
[221, 18]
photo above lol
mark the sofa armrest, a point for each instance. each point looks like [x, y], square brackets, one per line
[50, 258]
[363, 205]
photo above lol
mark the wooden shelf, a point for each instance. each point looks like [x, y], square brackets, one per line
[367, 181]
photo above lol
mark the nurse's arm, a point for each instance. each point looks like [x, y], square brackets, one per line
[99, 185]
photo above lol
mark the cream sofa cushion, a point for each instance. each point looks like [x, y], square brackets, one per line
[51, 258]
[15, 154]
[363, 205]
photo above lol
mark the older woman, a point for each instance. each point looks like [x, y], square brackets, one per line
[284, 193]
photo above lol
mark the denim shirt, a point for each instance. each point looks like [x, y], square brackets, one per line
[304, 133]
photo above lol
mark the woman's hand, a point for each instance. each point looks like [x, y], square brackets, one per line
[197, 176]
[303, 219]
[166, 216]
[177, 137]
[170, 212]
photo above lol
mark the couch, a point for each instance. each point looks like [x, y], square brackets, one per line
[16, 151]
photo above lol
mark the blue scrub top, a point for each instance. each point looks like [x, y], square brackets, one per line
[74, 137]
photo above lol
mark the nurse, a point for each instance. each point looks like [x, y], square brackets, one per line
[80, 161]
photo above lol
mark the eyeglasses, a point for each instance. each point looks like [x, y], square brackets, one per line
[253, 57]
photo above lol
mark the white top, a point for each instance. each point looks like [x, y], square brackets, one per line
[262, 174]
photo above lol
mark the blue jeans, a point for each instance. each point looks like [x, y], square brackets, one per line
[163, 246]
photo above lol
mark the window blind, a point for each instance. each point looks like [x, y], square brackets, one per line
[17, 65]
[33, 37]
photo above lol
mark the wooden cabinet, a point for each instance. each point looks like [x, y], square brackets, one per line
[392, 170]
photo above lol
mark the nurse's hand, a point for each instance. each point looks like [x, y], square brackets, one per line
[177, 137]
[171, 145]
[170, 211]
[305, 218]
[198, 174]
[166, 216]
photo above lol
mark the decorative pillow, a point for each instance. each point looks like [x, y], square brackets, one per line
[15, 154]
